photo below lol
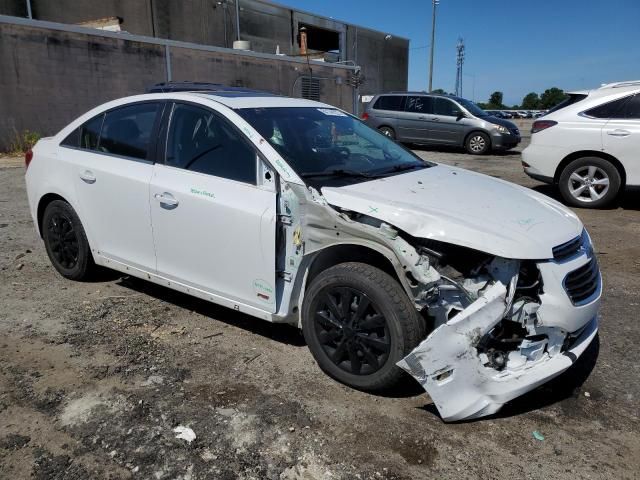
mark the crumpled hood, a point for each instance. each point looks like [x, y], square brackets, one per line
[464, 208]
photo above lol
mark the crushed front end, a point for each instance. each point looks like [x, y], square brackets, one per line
[501, 327]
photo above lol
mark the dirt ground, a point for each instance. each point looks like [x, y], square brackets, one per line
[95, 376]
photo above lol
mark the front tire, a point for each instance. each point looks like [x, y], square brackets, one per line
[589, 182]
[478, 143]
[358, 323]
[66, 242]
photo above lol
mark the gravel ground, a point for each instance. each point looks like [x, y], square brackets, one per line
[94, 378]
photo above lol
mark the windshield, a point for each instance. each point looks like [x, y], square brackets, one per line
[328, 147]
[472, 108]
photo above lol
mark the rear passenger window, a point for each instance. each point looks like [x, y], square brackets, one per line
[390, 102]
[419, 104]
[608, 110]
[90, 133]
[126, 131]
[631, 109]
[86, 136]
[201, 141]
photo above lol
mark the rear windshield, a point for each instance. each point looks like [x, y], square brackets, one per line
[570, 100]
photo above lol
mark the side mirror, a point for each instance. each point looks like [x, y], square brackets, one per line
[460, 116]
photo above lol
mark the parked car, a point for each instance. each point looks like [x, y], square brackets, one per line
[293, 211]
[497, 114]
[524, 114]
[588, 145]
[506, 114]
[418, 117]
[539, 114]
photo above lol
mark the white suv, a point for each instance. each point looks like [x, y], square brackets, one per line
[294, 211]
[589, 145]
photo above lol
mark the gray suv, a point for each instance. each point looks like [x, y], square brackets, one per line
[418, 117]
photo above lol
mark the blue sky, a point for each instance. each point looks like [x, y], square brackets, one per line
[515, 46]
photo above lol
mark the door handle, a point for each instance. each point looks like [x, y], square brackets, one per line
[422, 117]
[88, 177]
[618, 132]
[435, 119]
[166, 199]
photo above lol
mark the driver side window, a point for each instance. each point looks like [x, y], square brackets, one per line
[201, 141]
[444, 106]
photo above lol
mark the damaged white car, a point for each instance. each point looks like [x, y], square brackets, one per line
[294, 211]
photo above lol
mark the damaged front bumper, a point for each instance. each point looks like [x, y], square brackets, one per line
[465, 383]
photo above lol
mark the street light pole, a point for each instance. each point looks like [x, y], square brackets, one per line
[433, 41]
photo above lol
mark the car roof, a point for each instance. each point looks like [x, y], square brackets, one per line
[231, 99]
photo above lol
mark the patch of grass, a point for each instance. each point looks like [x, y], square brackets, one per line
[23, 141]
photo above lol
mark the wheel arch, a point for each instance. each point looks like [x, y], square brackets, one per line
[347, 252]
[590, 153]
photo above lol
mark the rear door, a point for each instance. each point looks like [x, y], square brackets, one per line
[444, 125]
[415, 120]
[621, 136]
[112, 155]
[214, 228]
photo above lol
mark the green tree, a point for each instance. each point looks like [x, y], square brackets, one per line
[439, 90]
[495, 100]
[551, 97]
[531, 101]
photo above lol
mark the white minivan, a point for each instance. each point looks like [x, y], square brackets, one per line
[589, 145]
[294, 211]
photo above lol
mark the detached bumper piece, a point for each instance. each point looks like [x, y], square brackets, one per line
[463, 386]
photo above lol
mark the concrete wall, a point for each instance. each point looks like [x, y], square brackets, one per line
[49, 77]
[212, 22]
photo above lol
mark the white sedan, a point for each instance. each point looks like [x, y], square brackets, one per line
[294, 211]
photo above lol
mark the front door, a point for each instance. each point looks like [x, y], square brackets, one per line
[445, 126]
[214, 228]
[113, 159]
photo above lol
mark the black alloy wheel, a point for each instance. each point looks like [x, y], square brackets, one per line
[351, 330]
[63, 240]
[66, 241]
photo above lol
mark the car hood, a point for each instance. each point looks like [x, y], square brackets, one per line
[500, 121]
[464, 208]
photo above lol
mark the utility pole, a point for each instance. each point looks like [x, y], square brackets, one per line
[459, 63]
[433, 42]
[238, 20]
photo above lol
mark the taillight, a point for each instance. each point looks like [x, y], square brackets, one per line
[28, 156]
[540, 125]
[365, 116]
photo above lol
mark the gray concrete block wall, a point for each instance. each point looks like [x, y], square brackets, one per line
[53, 77]
[49, 77]
[384, 61]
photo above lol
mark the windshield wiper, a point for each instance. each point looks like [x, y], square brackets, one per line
[339, 173]
[402, 168]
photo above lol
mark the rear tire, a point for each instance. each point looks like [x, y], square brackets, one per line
[358, 323]
[66, 242]
[388, 132]
[478, 143]
[590, 182]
